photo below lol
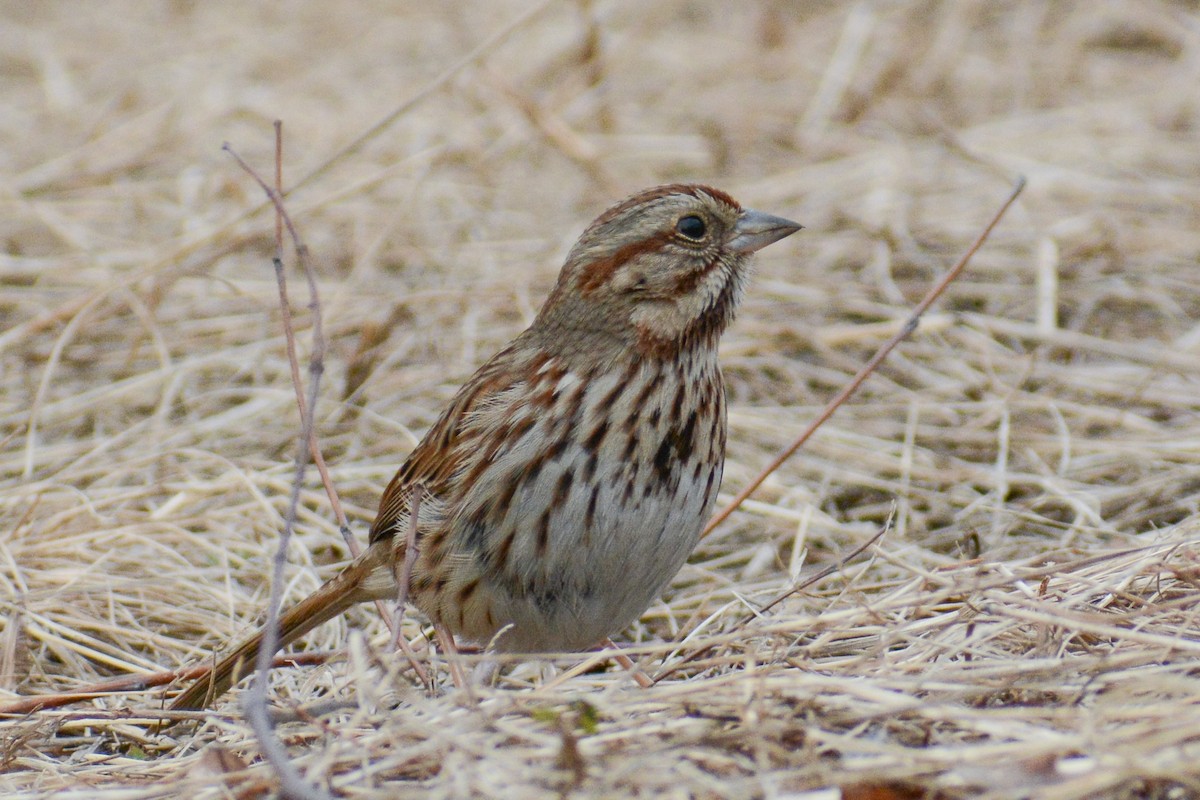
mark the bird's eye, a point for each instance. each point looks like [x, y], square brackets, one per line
[692, 227]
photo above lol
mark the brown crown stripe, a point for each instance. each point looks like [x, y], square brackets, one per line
[691, 190]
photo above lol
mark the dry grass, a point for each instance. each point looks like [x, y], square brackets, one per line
[1028, 628]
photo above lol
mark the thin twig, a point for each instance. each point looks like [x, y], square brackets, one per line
[291, 784]
[318, 354]
[910, 325]
[403, 581]
[404, 577]
[140, 682]
[304, 258]
[820, 575]
[626, 663]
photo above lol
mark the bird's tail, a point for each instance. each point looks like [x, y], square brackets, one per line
[367, 578]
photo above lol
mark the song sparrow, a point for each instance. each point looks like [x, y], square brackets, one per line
[571, 476]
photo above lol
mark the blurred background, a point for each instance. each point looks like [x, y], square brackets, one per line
[442, 157]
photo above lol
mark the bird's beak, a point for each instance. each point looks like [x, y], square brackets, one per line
[755, 230]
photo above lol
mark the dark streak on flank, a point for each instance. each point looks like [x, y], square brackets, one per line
[611, 396]
[475, 532]
[708, 486]
[662, 458]
[596, 437]
[557, 448]
[464, 594]
[590, 516]
[531, 475]
[685, 442]
[630, 446]
[680, 397]
[650, 388]
[504, 499]
[563, 487]
[543, 534]
[500, 556]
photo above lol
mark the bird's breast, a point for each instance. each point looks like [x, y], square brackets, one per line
[590, 504]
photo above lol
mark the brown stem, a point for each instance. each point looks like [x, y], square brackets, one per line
[910, 325]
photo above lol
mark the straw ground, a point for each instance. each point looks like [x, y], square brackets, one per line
[1028, 625]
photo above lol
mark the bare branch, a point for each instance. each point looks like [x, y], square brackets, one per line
[910, 325]
[291, 784]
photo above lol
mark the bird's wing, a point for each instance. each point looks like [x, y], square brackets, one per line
[460, 440]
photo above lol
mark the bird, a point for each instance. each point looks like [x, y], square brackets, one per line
[570, 477]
